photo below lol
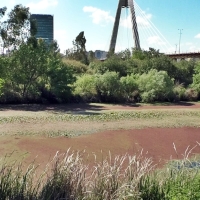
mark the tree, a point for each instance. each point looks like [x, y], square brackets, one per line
[28, 65]
[196, 78]
[78, 52]
[17, 28]
[2, 11]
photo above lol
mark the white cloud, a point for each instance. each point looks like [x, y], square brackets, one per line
[98, 16]
[142, 21]
[155, 40]
[197, 36]
[42, 4]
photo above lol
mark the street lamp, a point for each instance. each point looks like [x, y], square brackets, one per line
[180, 33]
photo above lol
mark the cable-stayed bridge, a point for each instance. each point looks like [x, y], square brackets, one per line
[142, 30]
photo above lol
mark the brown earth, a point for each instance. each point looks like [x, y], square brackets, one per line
[13, 110]
[155, 142]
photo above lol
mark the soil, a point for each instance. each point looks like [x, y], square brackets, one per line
[156, 143]
[21, 109]
[161, 144]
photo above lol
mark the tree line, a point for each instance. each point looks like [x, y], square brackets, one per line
[34, 72]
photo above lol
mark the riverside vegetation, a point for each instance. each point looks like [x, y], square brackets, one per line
[119, 177]
[132, 177]
[34, 72]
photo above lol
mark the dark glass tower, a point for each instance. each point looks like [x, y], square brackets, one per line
[44, 27]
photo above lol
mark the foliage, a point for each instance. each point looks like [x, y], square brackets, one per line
[16, 29]
[60, 79]
[78, 52]
[76, 66]
[155, 86]
[184, 72]
[196, 78]
[120, 177]
[28, 64]
[179, 92]
[35, 72]
[113, 64]
[129, 87]
[85, 87]
[1, 85]
[108, 87]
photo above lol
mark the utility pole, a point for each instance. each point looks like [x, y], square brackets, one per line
[175, 48]
[180, 33]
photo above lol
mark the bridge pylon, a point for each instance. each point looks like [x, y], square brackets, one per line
[125, 4]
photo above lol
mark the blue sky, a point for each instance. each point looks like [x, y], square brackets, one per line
[96, 19]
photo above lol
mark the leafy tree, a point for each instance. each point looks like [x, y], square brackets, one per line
[196, 78]
[28, 64]
[59, 77]
[184, 72]
[112, 64]
[142, 54]
[1, 85]
[91, 56]
[76, 66]
[17, 28]
[2, 11]
[78, 52]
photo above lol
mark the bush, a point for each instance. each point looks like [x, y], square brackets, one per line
[129, 87]
[1, 85]
[184, 71]
[77, 66]
[155, 86]
[113, 64]
[109, 87]
[191, 94]
[179, 92]
[60, 79]
[85, 87]
[196, 78]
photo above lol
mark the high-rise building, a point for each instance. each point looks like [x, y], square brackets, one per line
[100, 55]
[45, 29]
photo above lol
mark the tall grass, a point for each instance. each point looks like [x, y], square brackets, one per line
[125, 177]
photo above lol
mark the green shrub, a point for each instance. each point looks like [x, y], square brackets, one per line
[196, 78]
[191, 94]
[112, 64]
[179, 92]
[85, 87]
[184, 72]
[1, 85]
[109, 87]
[77, 66]
[129, 87]
[155, 86]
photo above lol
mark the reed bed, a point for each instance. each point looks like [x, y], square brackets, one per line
[126, 177]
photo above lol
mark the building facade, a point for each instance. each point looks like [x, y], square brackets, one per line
[45, 27]
[100, 55]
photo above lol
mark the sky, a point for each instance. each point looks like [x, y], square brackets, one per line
[168, 25]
